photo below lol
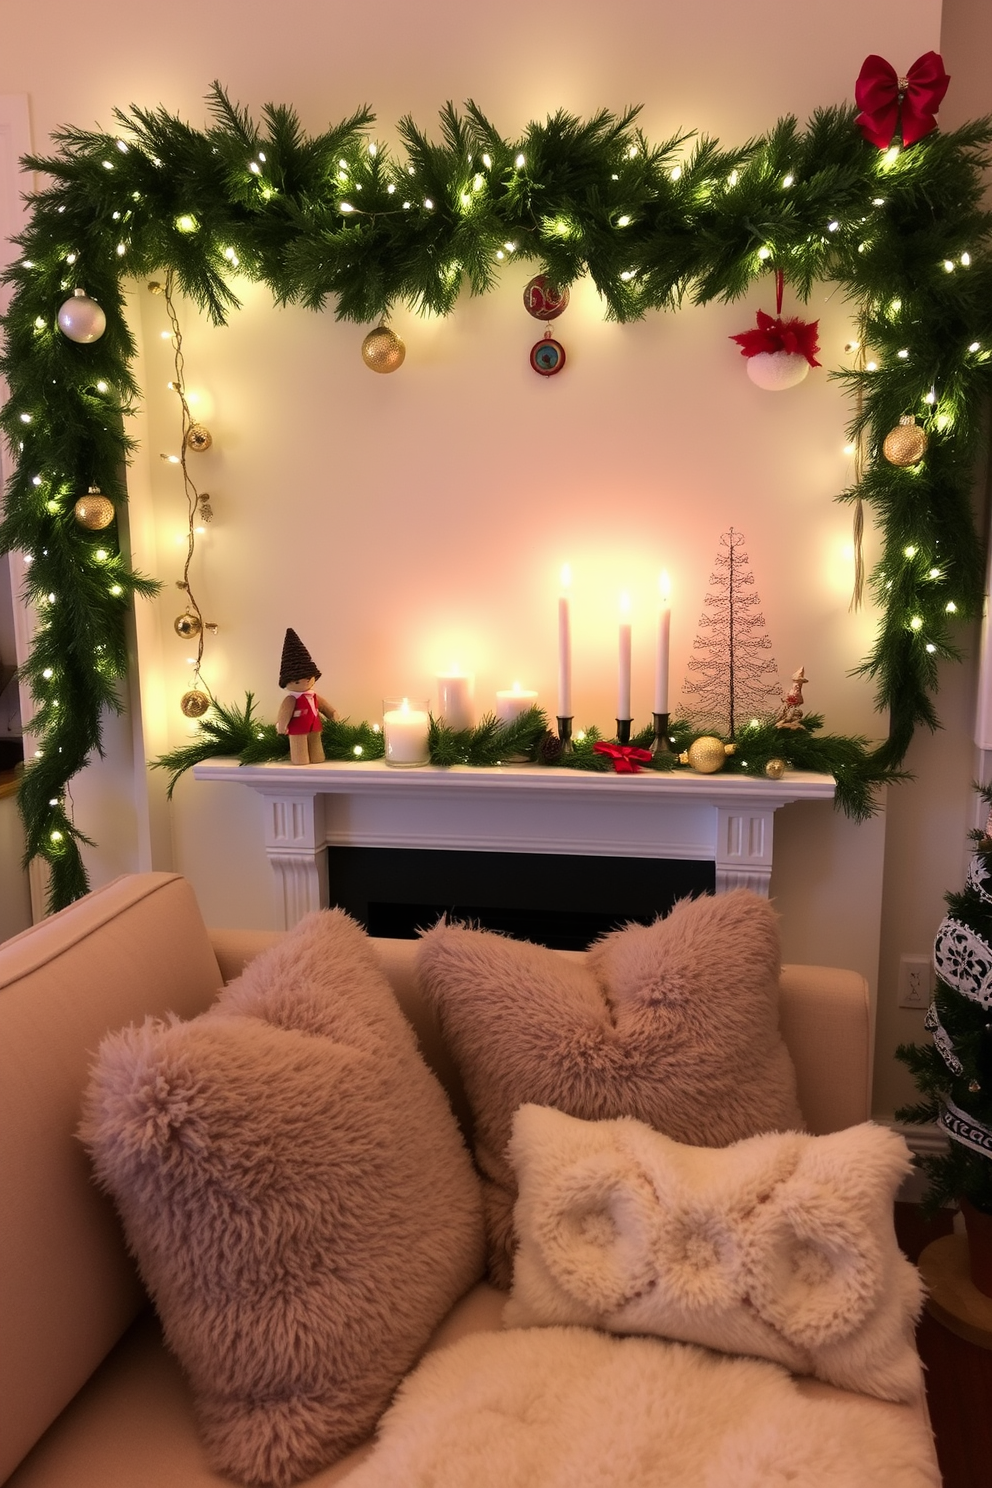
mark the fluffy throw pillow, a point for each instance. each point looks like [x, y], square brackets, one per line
[781, 1246]
[675, 1023]
[296, 1193]
[570, 1408]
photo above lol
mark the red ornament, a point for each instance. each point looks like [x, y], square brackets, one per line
[775, 334]
[540, 302]
[548, 356]
[625, 757]
[888, 101]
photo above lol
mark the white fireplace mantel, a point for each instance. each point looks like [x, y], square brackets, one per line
[724, 819]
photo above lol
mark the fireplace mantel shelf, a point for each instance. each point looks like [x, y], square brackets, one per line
[724, 819]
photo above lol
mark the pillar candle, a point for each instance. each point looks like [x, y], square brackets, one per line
[454, 699]
[511, 703]
[661, 660]
[565, 645]
[405, 731]
[623, 689]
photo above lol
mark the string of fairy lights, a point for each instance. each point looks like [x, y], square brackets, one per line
[341, 217]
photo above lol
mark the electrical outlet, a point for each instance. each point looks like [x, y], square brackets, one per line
[915, 982]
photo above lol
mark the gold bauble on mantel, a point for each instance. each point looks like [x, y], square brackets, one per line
[382, 350]
[906, 444]
[706, 755]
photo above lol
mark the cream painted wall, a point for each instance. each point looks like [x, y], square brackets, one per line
[402, 523]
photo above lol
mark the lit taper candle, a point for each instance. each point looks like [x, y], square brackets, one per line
[664, 637]
[565, 644]
[623, 689]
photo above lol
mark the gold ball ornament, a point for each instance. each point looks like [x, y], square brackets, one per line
[198, 439]
[187, 626]
[775, 769]
[706, 755]
[94, 511]
[195, 703]
[382, 350]
[906, 444]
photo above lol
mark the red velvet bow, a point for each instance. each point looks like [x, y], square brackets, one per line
[624, 757]
[776, 334]
[885, 99]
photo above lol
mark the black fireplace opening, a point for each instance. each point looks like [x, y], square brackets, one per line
[562, 901]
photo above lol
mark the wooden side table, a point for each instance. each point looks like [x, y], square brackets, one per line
[953, 1298]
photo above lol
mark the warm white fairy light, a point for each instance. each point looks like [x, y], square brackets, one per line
[116, 590]
[345, 207]
[733, 178]
[428, 204]
[70, 258]
[949, 266]
[107, 164]
[102, 387]
[764, 253]
[916, 623]
[254, 167]
[675, 173]
[909, 552]
[950, 608]
[520, 161]
[36, 480]
[487, 161]
[833, 226]
[788, 181]
[903, 354]
[40, 322]
[966, 260]
[975, 346]
[358, 751]
[48, 674]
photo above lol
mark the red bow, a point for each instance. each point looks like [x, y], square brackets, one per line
[776, 334]
[884, 99]
[624, 757]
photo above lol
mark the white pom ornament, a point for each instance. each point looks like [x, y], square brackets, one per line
[777, 370]
[82, 319]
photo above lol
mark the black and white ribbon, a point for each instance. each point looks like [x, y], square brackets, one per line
[980, 877]
[942, 1040]
[965, 1129]
[963, 960]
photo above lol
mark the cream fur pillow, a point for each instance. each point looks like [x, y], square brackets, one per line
[297, 1194]
[675, 1023]
[781, 1246]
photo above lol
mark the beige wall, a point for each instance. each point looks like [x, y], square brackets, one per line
[403, 523]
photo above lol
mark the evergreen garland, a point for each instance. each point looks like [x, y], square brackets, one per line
[333, 217]
[959, 1079]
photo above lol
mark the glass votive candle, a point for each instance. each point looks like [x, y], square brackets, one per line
[405, 726]
[514, 701]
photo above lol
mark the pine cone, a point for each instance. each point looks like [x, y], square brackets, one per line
[549, 751]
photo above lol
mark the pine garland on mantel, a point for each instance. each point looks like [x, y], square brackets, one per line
[337, 217]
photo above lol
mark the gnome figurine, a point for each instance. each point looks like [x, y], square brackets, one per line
[300, 712]
[790, 715]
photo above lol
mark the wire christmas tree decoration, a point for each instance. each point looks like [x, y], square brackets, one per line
[736, 681]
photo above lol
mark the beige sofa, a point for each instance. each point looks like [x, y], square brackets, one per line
[90, 1398]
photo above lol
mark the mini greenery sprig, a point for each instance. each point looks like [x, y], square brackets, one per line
[339, 218]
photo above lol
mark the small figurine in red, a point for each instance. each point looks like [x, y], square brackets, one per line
[300, 712]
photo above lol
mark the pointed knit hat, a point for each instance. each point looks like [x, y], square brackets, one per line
[296, 660]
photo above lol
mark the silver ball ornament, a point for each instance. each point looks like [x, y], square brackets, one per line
[82, 319]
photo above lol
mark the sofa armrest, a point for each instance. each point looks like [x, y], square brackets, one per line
[235, 948]
[826, 1023]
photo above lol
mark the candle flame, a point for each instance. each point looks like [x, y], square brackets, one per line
[566, 576]
[664, 586]
[625, 603]
[516, 686]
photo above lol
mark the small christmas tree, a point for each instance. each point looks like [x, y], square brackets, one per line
[734, 683]
[954, 1072]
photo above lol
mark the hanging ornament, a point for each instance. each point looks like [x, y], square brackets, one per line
[706, 755]
[94, 511]
[548, 356]
[775, 769]
[906, 444]
[82, 319]
[779, 352]
[382, 350]
[198, 439]
[194, 703]
[541, 302]
[187, 626]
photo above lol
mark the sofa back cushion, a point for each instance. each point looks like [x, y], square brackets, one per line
[67, 1288]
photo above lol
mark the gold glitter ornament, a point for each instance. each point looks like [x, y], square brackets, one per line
[187, 626]
[775, 769]
[382, 350]
[198, 439]
[706, 755]
[194, 703]
[94, 511]
[906, 444]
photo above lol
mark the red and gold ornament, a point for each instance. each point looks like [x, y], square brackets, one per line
[547, 356]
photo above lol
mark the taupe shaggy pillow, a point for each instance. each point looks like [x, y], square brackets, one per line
[674, 1023]
[297, 1195]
